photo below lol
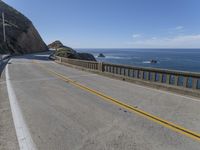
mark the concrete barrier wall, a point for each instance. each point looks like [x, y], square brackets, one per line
[164, 76]
[86, 64]
[181, 79]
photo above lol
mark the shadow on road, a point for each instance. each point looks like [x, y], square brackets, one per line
[44, 56]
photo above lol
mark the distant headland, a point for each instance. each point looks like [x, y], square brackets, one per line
[65, 51]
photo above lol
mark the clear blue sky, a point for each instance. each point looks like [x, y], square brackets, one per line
[115, 23]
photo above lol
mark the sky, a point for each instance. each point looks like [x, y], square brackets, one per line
[115, 23]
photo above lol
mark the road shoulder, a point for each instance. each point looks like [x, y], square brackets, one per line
[8, 139]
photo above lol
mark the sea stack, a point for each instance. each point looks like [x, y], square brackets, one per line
[101, 55]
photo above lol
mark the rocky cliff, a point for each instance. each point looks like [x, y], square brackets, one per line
[21, 35]
[68, 52]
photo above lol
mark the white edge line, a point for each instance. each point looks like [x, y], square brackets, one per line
[22, 131]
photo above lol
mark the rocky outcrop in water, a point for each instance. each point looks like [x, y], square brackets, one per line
[21, 35]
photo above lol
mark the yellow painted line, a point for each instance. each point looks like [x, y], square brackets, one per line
[140, 112]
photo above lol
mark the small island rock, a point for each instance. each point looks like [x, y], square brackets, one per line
[101, 55]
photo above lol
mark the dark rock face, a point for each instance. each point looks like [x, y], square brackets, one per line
[86, 56]
[64, 51]
[21, 35]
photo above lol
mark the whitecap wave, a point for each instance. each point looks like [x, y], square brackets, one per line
[146, 62]
[113, 57]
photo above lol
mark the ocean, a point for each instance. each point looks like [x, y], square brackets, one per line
[175, 59]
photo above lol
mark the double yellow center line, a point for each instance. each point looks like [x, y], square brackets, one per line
[121, 104]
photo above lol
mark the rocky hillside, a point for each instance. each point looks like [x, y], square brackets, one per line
[55, 45]
[22, 37]
[68, 52]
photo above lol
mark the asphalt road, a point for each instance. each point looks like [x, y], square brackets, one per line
[60, 115]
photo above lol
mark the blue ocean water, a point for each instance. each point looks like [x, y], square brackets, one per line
[176, 59]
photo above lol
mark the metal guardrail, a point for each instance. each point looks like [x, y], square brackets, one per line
[1, 64]
[3, 61]
[171, 77]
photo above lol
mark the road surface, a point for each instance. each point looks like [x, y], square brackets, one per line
[61, 108]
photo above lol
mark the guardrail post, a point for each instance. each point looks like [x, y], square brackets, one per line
[128, 72]
[136, 73]
[96, 66]
[185, 82]
[147, 75]
[194, 83]
[100, 67]
[58, 59]
[141, 74]
[110, 69]
[120, 70]
[87, 65]
[160, 77]
[124, 72]
[132, 73]
[168, 78]
[153, 76]
[176, 80]
[113, 69]
[117, 70]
